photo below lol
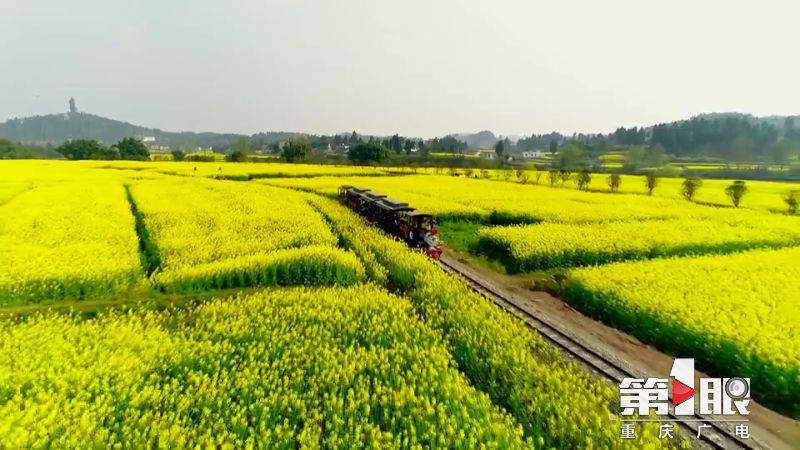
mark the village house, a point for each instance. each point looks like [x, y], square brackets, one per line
[533, 154]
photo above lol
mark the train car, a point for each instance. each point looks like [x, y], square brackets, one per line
[423, 233]
[389, 213]
[368, 204]
[395, 217]
[360, 200]
[350, 196]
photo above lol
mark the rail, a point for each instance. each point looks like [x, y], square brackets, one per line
[717, 437]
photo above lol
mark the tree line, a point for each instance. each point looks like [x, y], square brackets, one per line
[733, 138]
[571, 161]
[15, 150]
[556, 178]
[81, 149]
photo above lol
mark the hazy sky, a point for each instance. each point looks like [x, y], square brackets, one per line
[416, 67]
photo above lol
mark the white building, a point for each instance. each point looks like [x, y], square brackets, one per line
[533, 154]
[486, 154]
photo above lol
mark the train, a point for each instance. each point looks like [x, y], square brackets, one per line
[417, 229]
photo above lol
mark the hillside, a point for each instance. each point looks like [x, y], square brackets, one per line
[57, 128]
[481, 139]
[54, 129]
[778, 122]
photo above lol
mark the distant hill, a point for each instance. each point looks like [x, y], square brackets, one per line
[481, 139]
[57, 128]
[54, 129]
[777, 121]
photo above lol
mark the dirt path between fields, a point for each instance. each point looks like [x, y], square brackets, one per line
[143, 297]
[766, 426]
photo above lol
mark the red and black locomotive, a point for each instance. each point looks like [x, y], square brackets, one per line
[395, 217]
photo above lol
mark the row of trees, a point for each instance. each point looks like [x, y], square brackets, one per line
[15, 150]
[736, 191]
[548, 141]
[299, 150]
[734, 138]
[395, 144]
[361, 152]
[731, 138]
[127, 148]
[295, 150]
[577, 156]
[570, 161]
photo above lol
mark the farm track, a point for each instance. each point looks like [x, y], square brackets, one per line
[136, 298]
[718, 437]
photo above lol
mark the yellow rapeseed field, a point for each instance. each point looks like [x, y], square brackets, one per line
[761, 195]
[238, 171]
[459, 198]
[549, 245]
[328, 367]
[497, 353]
[72, 239]
[200, 221]
[400, 187]
[69, 232]
[350, 365]
[216, 234]
[738, 314]
[10, 189]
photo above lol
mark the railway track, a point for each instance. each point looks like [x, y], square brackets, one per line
[716, 437]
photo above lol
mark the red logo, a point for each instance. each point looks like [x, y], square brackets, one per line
[680, 392]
